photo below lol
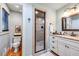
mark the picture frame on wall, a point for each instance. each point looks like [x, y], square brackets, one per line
[17, 29]
[5, 20]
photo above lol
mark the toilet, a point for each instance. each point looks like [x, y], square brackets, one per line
[16, 43]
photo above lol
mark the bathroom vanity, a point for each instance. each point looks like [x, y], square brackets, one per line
[65, 45]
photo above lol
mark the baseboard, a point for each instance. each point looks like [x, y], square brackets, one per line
[54, 53]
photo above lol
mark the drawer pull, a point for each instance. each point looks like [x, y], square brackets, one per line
[66, 46]
[53, 47]
[53, 37]
[53, 41]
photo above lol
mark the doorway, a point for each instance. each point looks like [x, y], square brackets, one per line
[39, 30]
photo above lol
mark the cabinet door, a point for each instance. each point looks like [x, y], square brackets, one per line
[61, 47]
[67, 50]
[70, 50]
[74, 51]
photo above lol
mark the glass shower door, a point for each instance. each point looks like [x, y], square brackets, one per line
[39, 31]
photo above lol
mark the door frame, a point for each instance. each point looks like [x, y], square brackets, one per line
[44, 30]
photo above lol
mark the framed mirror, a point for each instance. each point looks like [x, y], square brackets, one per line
[70, 23]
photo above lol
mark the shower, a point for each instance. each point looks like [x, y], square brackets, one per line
[39, 30]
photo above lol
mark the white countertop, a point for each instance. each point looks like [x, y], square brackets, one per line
[69, 37]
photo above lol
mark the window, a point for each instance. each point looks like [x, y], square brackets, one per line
[4, 20]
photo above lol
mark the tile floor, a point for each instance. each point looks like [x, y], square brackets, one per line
[11, 52]
[39, 45]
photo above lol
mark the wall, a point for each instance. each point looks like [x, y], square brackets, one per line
[27, 29]
[4, 36]
[0, 17]
[14, 19]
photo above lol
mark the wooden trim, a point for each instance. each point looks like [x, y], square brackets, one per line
[44, 29]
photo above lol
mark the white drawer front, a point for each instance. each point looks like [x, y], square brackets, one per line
[53, 48]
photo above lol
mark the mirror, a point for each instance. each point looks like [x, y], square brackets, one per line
[70, 23]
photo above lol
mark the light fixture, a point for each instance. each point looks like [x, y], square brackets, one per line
[17, 6]
[36, 12]
[71, 11]
[66, 13]
[77, 10]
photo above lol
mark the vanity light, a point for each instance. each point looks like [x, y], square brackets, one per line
[17, 6]
[71, 11]
[66, 13]
[36, 12]
[77, 10]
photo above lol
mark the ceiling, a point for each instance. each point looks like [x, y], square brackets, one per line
[53, 6]
[56, 6]
[15, 7]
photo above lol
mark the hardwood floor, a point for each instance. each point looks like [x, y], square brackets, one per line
[12, 53]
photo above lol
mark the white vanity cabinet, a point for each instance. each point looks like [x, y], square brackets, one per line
[64, 46]
[54, 44]
[61, 47]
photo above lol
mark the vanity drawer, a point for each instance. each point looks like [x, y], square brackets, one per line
[53, 48]
[70, 42]
[53, 43]
[60, 52]
[53, 38]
